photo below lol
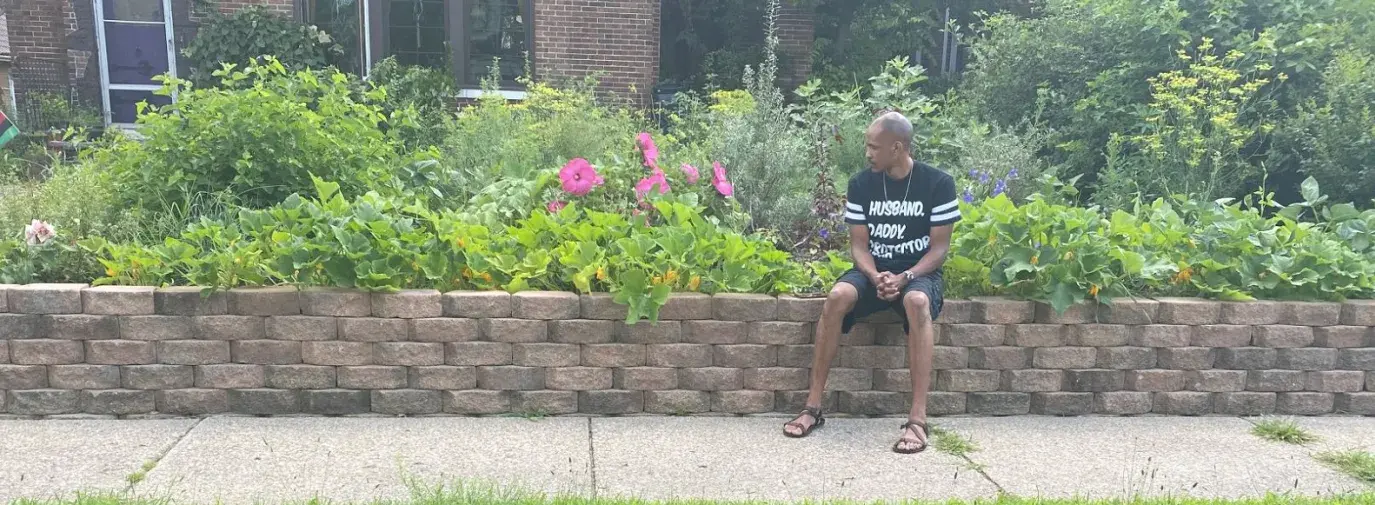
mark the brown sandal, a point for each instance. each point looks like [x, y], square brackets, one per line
[924, 441]
[818, 421]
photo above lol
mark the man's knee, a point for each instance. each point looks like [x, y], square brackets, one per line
[842, 298]
[916, 302]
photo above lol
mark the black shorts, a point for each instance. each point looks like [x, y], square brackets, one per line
[932, 284]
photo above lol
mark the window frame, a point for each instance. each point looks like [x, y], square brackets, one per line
[104, 60]
[376, 43]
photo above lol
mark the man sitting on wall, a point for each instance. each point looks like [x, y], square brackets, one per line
[901, 213]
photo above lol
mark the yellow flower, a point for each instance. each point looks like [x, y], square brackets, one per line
[486, 277]
[1069, 255]
[1035, 260]
[1093, 290]
[1184, 275]
[461, 242]
[671, 276]
[467, 272]
[694, 283]
[658, 280]
[109, 272]
[601, 273]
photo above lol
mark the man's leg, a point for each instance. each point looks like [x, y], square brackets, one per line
[921, 344]
[841, 300]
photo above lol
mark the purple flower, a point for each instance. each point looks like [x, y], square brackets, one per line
[1036, 245]
[968, 197]
[824, 234]
[1012, 174]
[1000, 187]
[973, 173]
[983, 178]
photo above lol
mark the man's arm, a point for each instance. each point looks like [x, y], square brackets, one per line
[935, 256]
[856, 205]
[859, 250]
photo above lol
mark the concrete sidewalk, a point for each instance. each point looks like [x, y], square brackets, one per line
[241, 459]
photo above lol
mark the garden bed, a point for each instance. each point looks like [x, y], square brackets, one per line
[272, 351]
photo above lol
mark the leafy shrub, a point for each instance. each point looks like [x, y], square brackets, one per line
[40, 111]
[248, 34]
[1089, 66]
[765, 151]
[1333, 134]
[1194, 131]
[22, 159]
[497, 140]
[75, 198]
[990, 160]
[31, 256]
[1062, 255]
[429, 91]
[379, 243]
[255, 140]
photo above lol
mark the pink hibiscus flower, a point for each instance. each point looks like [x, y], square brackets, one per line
[556, 206]
[718, 179]
[647, 185]
[38, 232]
[579, 177]
[651, 152]
[691, 173]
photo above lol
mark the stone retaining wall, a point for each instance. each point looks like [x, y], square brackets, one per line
[70, 349]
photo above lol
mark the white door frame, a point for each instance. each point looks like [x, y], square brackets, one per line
[105, 86]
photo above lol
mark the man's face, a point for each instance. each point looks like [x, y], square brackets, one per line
[880, 148]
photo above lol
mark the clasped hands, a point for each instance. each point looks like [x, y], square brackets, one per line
[890, 285]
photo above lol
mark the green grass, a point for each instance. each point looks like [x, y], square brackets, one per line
[954, 444]
[134, 478]
[478, 495]
[1282, 430]
[1358, 464]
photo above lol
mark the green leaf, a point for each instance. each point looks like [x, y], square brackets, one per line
[342, 271]
[1310, 191]
[1132, 261]
[1063, 296]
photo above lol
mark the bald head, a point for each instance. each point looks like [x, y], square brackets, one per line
[888, 143]
[897, 125]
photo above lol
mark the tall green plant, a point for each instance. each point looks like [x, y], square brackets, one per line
[251, 33]
[1193, 131]
[1332, 135]
[259, 137]
[766, 154]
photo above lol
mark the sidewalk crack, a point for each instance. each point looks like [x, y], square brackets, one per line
[142, 473]
[592, 457]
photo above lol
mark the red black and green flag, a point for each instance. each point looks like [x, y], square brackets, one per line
[8, 131]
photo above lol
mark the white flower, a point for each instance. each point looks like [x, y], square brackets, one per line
[38, 232]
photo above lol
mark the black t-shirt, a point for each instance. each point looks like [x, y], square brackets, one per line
[900, 226]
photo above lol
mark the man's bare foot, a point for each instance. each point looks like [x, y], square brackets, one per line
[914, 438]
[804, 423]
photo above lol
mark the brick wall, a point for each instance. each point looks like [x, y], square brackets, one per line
[38, 43]
[619, 38]
[118, 351]
[796, 36]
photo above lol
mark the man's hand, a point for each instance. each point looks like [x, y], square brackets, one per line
[891, 285]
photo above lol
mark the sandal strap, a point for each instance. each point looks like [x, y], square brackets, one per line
[910, 423]
[815, 412]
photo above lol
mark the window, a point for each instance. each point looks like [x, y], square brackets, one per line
[135, 44]
[341, 19]
[463, 36]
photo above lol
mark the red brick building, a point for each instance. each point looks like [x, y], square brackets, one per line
[104, 52]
